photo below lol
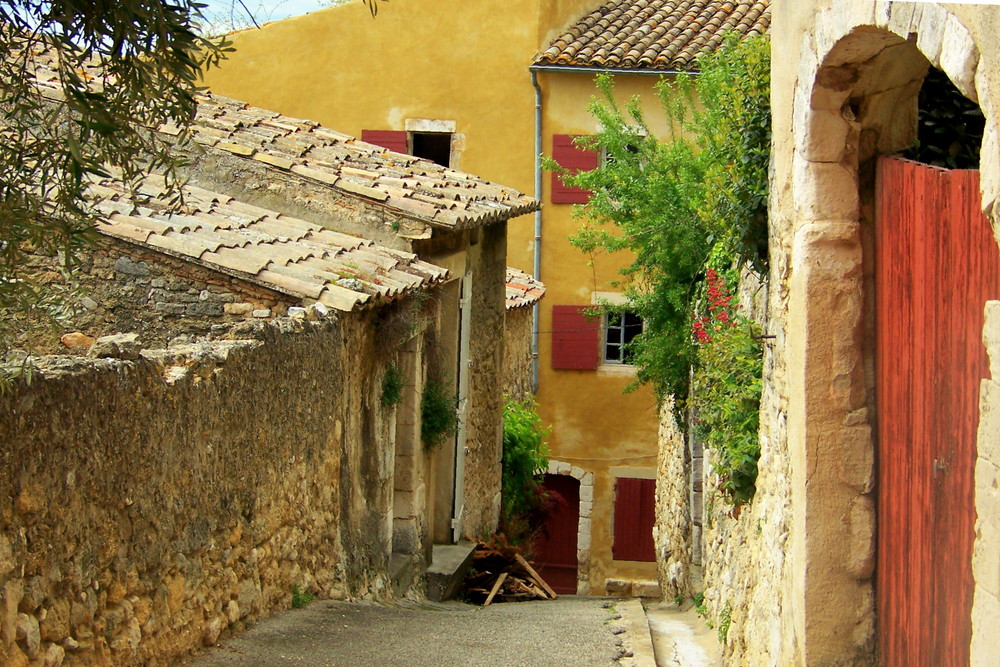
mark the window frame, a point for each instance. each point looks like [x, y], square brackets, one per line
[607, 328]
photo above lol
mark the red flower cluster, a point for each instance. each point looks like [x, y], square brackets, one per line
[719, 300]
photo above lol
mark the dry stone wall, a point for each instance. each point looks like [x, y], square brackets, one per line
[148, 507]
[125, 288]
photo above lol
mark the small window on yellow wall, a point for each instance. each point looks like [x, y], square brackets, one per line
[433, 146]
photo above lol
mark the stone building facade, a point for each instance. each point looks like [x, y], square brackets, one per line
[794, 577]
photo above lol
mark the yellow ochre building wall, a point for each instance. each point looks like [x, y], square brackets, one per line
[448, 60]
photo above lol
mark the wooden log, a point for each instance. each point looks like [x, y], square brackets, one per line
[535, 576]
[496, 587]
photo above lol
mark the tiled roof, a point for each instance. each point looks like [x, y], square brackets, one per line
[411, 186]
[654, 34]
[522, 289]
[276, 251]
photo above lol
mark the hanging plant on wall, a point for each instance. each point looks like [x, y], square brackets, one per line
[438, 414]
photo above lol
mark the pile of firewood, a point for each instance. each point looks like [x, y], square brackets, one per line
[501, 574]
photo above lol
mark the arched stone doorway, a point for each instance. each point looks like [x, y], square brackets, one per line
[856, 100]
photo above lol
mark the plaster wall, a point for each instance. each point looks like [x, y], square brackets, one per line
[578, 404]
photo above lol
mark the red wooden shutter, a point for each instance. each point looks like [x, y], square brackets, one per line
[574, 338]
[634, 518]
[394, 140]
[575, 159]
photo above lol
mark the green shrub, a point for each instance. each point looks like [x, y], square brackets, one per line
[438, 416]
[525, 460]
[300, 598]
[392, 387]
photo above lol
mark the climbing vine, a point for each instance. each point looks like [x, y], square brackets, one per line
[726, 391]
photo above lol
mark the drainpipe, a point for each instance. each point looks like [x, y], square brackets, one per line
[538, 228]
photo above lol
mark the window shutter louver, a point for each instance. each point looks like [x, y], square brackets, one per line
[393, 140]
[575, 159]
[574, 338]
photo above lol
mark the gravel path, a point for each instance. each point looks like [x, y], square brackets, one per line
[572, 631]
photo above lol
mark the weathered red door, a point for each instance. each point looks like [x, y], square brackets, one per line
[936, 266]
[555, 551]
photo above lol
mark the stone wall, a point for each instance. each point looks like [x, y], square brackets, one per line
[488, 260]
[148, 507]
[672, 533]
[517, 366]
[126, 288]
[793, 573]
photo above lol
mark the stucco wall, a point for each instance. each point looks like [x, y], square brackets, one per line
[149, 506]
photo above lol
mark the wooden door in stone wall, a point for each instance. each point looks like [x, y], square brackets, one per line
[555, 551]
[936, 266]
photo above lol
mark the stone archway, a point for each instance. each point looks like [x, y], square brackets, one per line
[855, 98]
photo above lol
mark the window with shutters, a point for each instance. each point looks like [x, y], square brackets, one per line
[575, 159]
[635, 509]
[432, 140]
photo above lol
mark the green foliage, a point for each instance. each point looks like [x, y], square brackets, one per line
[669, 204]
[149, 56]
[950, 126]
[300, 598]
[725, 620]
[699, 604]
[392, 387]
[438, 416]
[726, 392]
[525, 459]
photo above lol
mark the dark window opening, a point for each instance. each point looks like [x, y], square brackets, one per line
[949, 126]
[433, 146]
[619, 331]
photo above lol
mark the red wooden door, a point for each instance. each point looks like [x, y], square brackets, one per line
[936, 266]
[555, 550]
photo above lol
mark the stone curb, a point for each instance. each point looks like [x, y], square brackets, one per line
[637, 637]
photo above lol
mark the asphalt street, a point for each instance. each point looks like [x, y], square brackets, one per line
[567, 631]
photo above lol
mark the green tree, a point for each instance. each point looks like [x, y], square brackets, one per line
[671, 203]
[122, 68]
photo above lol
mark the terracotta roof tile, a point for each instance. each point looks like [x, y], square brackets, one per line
[654, 34]
[282, 253]
[522, 289]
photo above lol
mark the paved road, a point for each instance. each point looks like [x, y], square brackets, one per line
[573, 631]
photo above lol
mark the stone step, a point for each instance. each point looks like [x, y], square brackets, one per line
[449, 565]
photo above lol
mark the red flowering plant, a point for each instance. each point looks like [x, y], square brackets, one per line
[726, 386]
